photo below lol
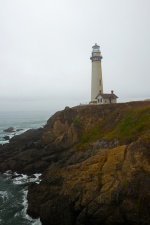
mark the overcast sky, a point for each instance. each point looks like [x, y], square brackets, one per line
[45, 49]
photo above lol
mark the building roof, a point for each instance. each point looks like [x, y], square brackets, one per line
[106, 95]
[96, 46]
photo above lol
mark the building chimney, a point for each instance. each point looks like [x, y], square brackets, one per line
[112, 92]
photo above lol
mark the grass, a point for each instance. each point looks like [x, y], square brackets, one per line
[130, 125]
[134, 123]
[77, 122]
[89, 136]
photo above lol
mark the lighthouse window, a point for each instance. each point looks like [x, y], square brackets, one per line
[100, 83]
[99, 100]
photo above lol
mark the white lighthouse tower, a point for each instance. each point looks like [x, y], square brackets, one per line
[96, 81]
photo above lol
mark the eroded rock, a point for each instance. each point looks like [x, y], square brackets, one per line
[95, 165]
[9, 130]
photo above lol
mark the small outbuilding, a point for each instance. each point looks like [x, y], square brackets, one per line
[106, 98]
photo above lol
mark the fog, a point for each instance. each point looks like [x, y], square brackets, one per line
[45, 49]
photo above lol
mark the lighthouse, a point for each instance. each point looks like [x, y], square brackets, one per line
[96, 79]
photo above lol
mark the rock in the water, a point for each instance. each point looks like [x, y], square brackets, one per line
[19, 129]
[6, 138]
[16, 176]
[9, 130]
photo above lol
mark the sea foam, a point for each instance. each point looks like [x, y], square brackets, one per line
[21, 179]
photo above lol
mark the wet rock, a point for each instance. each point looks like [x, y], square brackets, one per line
[16, 176]
[9, 130]
[19, 129]
[6, 138]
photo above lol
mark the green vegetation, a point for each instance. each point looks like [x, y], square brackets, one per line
[133, 123]
[77, 122]
[89, 136]
[124, 125]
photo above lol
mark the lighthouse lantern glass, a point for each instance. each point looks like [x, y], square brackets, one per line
[96, 49]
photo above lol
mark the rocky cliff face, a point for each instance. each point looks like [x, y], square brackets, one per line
[95, 164]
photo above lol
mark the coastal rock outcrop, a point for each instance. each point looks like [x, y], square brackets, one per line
[9, 130]
[95, 164]
[111, 187]
[6, 138]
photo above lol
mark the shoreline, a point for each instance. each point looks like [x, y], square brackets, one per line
[91, 158]
[20, 181]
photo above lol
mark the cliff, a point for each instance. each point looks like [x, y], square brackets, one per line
[95, 164]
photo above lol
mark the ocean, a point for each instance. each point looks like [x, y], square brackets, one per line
[21, 120]
[13, 191]
[13, 199]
